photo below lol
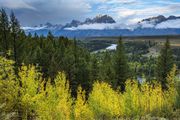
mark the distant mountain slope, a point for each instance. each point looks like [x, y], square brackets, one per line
[104, 25]
[160, 22]
[158, 19]
[98, 19]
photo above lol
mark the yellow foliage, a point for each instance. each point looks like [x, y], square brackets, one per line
[131, 99]
[171, 83]
[81, 108]
[29, 82]
[56, 101]
[152, 98]
[52, 101]
[104, 101]
[8, 88]
[135, 101]
[6, 69]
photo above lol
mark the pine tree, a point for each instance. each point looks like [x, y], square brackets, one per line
[94, 68]
[120, 66]
[50, 37]
[164, 64]
[106, 72]
[4, 29]
[15, 29]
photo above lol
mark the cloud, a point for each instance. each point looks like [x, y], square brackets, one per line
[169, 24]
[95, 26]
[121, 1]
[15, 4]
[32, 28]
[34, 12]
[131, 15]
[102, 26]
[112, 1]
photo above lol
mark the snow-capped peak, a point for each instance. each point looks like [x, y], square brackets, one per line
[160, 22]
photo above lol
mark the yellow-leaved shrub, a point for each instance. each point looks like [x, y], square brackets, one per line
[56, 102]
[171, 94]
[104, 101]
[136, 101]
[8, 89]
[29, 83]
[82, 110]
[131, 99]
[152, 98]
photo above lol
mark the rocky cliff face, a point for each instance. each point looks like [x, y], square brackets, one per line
[158, 19]
[103, 19]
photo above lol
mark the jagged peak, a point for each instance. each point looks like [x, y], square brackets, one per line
[103, 19]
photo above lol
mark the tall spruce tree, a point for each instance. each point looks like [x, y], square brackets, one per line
[15, 30]
[4, 30]
[106, 72]
[94, 68]
[120, 66]
[51, 38]
[164, 64]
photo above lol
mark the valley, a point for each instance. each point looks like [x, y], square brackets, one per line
[105, 42]
[143, 47]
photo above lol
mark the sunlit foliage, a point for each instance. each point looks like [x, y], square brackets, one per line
[104, 101]
[8, 88]
[28, 96]
[55, 103]
[81, 108]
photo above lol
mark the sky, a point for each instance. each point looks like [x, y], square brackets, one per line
[35, 12]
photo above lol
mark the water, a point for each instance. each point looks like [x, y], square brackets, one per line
[112, 47]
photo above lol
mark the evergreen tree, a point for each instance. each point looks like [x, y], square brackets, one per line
[4, 30]
[50, 37]
[164, 64]
[106, 72]
[21, 47]
[48, 58]
[120, 66]
[94, 68]
[15, 30]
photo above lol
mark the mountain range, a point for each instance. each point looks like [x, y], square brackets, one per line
[104, 25]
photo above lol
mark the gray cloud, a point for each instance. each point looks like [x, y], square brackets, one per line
[15, 4]
[40, 11]
[133, 15]
[34, 12]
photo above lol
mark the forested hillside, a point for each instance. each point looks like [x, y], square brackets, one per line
[54, 78]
